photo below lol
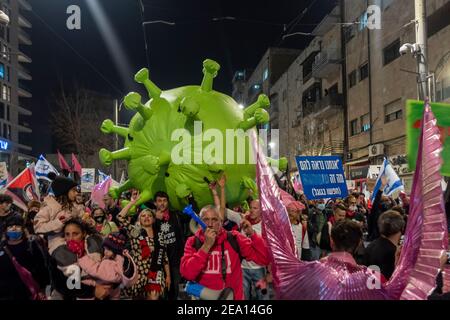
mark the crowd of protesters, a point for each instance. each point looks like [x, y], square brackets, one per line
[67, 248]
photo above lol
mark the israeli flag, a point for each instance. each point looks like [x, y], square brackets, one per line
[102, 176]
[394, 183]
[43, 168]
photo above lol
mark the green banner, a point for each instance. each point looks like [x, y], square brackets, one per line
[414, 112]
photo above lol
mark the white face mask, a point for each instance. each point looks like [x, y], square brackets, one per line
[321, 206]
[353, 208]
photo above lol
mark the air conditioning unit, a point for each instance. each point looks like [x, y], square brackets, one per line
[376, 150]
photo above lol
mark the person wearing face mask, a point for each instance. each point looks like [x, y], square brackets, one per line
[102, 223]
[5, 210]
[29, 255]
[56, 210]
[80, 239]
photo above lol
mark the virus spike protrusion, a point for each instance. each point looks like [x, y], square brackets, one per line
[250, 185]
[263, 102]
[115, 192]
[210, 70]
[133, 102]
[189, 107]
[281, 163]
[107, 157]
[182, 191]
[145, 196]
[261, 116]
[109, 127]
[143, 77]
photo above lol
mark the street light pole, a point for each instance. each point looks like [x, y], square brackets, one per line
[421, 41]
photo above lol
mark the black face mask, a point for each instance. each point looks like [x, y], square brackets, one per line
[99, 219]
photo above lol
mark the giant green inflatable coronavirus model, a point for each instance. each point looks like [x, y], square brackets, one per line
[184, 138]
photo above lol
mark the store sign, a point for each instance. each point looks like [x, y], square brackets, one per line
[358, 172]
[4, 145]
[400, 164]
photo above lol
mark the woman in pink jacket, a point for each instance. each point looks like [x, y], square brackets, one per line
[116, 268]
[56, 210]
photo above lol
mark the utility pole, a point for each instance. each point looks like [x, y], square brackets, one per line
[421, 41]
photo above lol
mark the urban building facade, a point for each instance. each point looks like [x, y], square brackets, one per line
[15, 83]
[380, 80]
[345, 93]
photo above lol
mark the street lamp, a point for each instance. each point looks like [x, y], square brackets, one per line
[170, 23]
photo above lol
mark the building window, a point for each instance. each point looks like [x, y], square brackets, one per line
[5, 130]
[391, 52]
[2, 110]
[363, 71]
[7, 112]
[443, 89]
[8, 135]
[8, 94]
[2, 71]
[438, 20]
[365, 123]
[4, 92]
[265, 74]
[393, 111]
[352, 79]
[8, 73]
[354, 127]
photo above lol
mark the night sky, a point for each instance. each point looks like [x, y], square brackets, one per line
[175, 52]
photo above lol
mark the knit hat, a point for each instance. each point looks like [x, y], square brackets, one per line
[34, 203]
[61, 185]
[14, 220]
[115, 242]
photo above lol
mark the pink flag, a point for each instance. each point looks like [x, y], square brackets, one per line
[62, 162]
[76, 167]
[99, 191]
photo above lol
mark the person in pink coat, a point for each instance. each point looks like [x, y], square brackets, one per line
[116, 268]
[49, 221]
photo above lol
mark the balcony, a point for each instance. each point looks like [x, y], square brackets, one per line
[25, 5]
[324, 106]
[23, 58]
[23, 128]
[24, 23]
[336, 147]
[23, 92]
[326, 63]
[24, 38]
[24, 74]
[24, 111]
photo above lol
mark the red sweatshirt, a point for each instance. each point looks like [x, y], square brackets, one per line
[205, 268]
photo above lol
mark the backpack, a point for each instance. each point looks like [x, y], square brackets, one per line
[233, 243]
